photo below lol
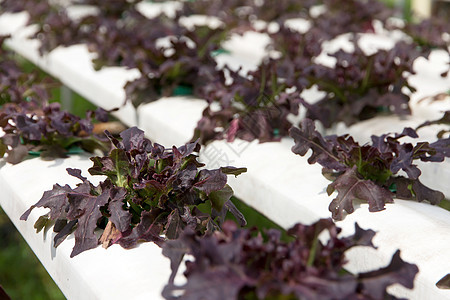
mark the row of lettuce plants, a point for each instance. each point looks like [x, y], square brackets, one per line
[32, 124]
[358, 87]
[160, 195]
[153, 194]
[157, 194]
[257, 105]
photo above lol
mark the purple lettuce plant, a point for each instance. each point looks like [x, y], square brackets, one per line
[150, 194]
[369, 172]
[429, 34]
[361, 86]
[186, 62]
[256, 107]
[47, 131]
[242, 264]
[17, 86]
[352, 16]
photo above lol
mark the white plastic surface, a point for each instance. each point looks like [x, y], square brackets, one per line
[113, 273]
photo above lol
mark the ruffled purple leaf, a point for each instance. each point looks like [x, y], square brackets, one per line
[350, 187]
[210, 180]
[55, 199]
[147, 231]
[85, 208]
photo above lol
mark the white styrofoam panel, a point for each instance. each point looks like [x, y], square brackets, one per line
[277, 183]
[153, 9]
[250, 45]
[429, 82]
[113, 273]
[236, 62]
[103, 88]
[13, 23]
[298, 24]
[171, 120]
[200, 20]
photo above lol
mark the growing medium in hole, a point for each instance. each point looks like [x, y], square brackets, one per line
[150, 194]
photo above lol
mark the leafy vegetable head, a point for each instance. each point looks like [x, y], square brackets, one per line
[17, 85]
[429, 34]
[361, 86]
[241, 264]
[187, 61]
[369, 172]
[150, 194]
[353, 16]
[251, 108]
[47, 130]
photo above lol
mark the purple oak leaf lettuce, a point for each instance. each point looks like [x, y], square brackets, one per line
[241, 264]
[369, 172]
[48, 131]
[150, 194]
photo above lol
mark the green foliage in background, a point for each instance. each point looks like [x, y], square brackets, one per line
[445, 204]
[21, 274]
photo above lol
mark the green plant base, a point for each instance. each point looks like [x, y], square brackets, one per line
[183, 90]
[71, 151]
[219, 51]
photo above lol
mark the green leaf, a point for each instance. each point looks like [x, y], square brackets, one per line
[233, 170]
[3, 148]
[444, 283]
[42, 222]
[115, 166]
[220, 197]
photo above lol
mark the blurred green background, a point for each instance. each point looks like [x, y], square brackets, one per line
[21, 274]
